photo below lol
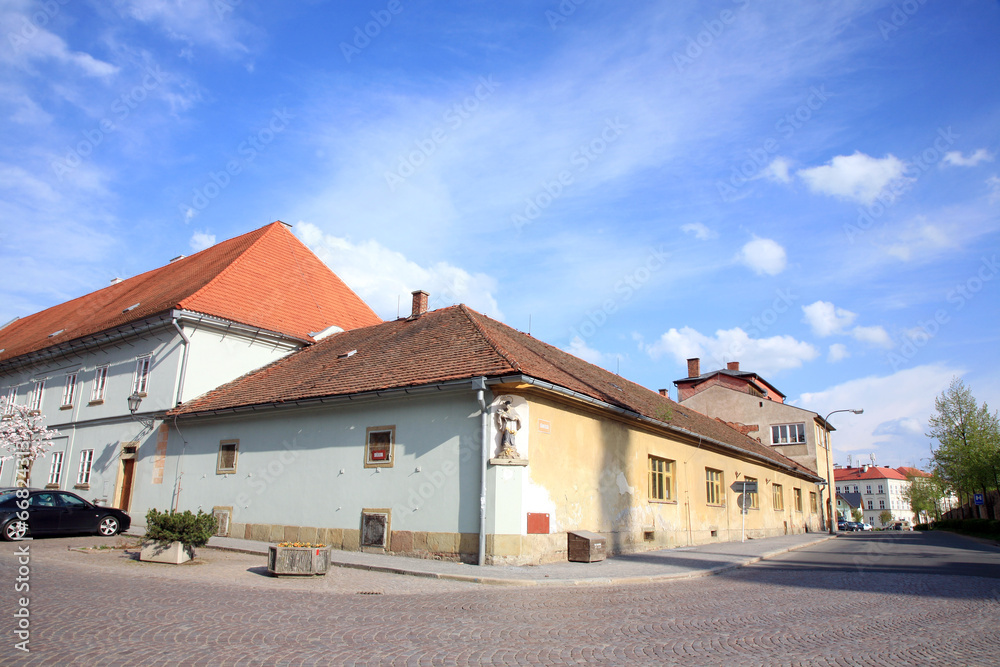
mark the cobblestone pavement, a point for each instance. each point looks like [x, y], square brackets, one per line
[864, 599]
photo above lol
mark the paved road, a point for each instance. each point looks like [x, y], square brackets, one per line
[879, 599]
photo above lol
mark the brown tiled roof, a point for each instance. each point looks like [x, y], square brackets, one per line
[452, 344]
[266, 278]
[873, 472]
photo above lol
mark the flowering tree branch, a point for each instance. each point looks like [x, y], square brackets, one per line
[23, 437]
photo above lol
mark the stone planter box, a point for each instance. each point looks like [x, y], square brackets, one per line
[166, 552]
[298, 561]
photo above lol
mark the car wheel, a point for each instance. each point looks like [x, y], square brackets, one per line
[15, 530]
[108, 526]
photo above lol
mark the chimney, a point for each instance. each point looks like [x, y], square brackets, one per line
[419, 304]
[733, 365]
[864, 468]
[664, 392]
[694, 367]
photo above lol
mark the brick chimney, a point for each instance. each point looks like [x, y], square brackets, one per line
[733, 365]
[694, 367]
[665, 392]
[419, 304]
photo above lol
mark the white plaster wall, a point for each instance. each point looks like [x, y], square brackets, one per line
[305, 467]
[217, 357]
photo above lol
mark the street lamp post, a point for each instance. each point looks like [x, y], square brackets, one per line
[829, 465]
[133, 404]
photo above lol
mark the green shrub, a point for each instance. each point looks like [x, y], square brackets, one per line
[184, 527]
[922, 526]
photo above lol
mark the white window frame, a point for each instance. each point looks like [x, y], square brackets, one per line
[140, 381]
[69, 390]
[781, 434]
[86, 466]
[55, 469]
[11, 399]
[100, 383]
[35, 398]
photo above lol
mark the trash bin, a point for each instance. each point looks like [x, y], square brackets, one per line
[585, 547]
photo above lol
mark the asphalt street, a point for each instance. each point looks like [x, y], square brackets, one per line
[860, 599]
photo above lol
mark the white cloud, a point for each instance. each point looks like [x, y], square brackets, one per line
[777, 171]
[825, 319]
[385, 278]
[838, 352]
[700, 231]
[875, 336]
[201, 240]
[578, 347]
[920, 238]
[993, 183]
[956, 159]
[857, 177]
[763, 256]
[40, 44]
[764, 355]
[216, 24]
[896, 408]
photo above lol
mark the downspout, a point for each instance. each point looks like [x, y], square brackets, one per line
[479, 384]
[180, 395]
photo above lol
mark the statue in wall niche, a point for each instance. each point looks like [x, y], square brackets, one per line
[509, 424]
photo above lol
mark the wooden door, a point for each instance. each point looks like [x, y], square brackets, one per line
[128, 471]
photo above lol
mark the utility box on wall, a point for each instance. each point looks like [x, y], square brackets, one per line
[585, 547]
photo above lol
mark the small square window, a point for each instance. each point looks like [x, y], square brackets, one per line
[229, 450]
[379, 446]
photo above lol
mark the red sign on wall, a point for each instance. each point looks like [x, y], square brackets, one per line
[538, 523]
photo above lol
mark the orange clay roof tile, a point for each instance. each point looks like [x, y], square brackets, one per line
[266, 278]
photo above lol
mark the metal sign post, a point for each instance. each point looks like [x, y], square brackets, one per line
[744, 488]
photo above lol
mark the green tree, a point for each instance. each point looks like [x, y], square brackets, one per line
[857, 515]
[968, 437]
[885, 517]
[925, 495]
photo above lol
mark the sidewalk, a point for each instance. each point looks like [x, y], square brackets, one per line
[679, 563]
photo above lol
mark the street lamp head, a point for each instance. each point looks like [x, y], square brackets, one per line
[859, 411]
[133, 402]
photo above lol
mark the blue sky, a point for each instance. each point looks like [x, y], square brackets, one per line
[811, 189]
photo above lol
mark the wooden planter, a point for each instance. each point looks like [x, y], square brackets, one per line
[298, 561]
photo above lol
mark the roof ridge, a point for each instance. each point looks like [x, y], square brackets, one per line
[266, 229]
[489, 339]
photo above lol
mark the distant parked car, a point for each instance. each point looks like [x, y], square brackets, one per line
[841, 525]
[866, 526]
[45, 512]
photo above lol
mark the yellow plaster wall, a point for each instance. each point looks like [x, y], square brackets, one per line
[593, 469]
